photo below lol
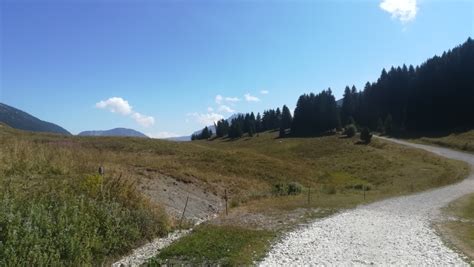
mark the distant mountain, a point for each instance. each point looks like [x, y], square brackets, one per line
[179, 138]
[18, 119]
[114, 132]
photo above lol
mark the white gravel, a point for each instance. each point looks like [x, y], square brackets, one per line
[396, 231]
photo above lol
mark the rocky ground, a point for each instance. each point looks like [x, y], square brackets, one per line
[172, 194]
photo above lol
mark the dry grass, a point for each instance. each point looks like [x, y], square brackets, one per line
[336, 169]
[460, 232]
[460, 141]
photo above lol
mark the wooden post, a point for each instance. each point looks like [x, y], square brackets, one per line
[101, 170]
[182, 216]
[225, 197]
[309, 195]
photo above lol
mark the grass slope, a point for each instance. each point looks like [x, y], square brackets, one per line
[461, 141]
[56, 211]
[333, 167]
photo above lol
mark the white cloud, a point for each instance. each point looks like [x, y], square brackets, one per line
[143, 120]
[210, 109]
[115, 105]
[224, 108]
[404, 10]
[219, 99]
[121, 106]
[206, 119]
[251, 98]
[232, 99]
[163, 135]
[264, 92]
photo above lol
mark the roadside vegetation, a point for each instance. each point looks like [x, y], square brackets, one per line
[55, 210]
[463, 141]
[216, 246]
[459, 231]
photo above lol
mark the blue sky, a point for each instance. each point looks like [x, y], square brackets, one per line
[170, 67]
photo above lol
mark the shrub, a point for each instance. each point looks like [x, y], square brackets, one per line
[294, 188]
[365, 135]
[279, 189]
[282, 189]
[350, 130]
[363, 187]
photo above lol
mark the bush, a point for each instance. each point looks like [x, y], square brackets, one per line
[279, 189]
[363, 187]
[282, 189]
[294, 188]
[350, 130]
[365, 135]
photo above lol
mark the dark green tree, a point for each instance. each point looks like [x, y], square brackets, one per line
[365, 135]
[286, 118]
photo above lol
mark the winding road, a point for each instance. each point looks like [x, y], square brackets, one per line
[396, 231]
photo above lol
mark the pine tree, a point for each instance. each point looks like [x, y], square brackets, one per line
[258, 123]
[365, 135]
[286, 118]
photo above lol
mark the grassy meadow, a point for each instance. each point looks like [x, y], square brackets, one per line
[57, 211]
[461, 141]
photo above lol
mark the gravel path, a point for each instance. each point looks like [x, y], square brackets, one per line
[142, 254]
[396, 231]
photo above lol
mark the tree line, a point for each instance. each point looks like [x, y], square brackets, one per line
[438, 95]
[272, 119]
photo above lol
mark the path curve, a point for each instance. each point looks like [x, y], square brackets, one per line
[396, 231]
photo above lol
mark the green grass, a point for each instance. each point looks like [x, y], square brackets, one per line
[47, 184]
[460, 141]
[54, 211]
[460, 232]
[217, 245]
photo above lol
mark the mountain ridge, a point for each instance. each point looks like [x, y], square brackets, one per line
[22, 120]
[124, 132]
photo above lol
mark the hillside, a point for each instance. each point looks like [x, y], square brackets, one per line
[114, 132]
[146, 174]
[21, 120]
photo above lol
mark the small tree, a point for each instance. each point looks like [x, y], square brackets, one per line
[350, 130]
[365, 135]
